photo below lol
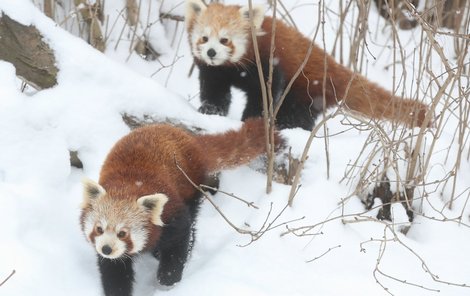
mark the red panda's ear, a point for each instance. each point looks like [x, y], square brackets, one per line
[258, 14]
[154, 203]
[193, 9]
[91, 191]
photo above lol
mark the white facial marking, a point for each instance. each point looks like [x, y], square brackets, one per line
[116, 228]
[103, 223]
[88, 226]
[139, 237]
[239, 42]
[109, 238]
[212, 51]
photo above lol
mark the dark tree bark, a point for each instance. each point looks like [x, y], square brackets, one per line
[452, 14]
[398, 11]
[443, 13]
[23, 46]
[49, 8]
[140, 42]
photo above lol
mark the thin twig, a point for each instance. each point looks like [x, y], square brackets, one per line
[248, 203]
[11, 274]
[304, 156]
[255, 235]
[324, 253]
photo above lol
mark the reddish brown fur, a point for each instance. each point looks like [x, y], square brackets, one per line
[92, 235]
[145, 162]
[223, 16]
[129, 243]
[291, 48]
[243, 146]
[363, 96]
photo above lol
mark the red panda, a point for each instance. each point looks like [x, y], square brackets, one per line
[143, 202]
[221, 43]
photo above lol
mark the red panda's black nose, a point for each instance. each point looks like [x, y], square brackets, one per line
[106, 250]
[211, 53]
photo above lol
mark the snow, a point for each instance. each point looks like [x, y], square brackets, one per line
[40, 193]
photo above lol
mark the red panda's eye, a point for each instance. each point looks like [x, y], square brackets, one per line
[223, 41]
[122, 234]
[204, 39]
[99, 230]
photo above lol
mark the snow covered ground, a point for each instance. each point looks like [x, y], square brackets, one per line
[40, 193]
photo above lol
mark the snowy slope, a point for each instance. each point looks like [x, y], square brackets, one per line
[40, 194]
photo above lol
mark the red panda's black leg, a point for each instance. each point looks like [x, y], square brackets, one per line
[293, 114]
[117, 276]
[173, 248]
[215, 83]
[254, 104]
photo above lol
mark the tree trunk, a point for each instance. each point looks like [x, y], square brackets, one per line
[452, 14]
[92, 15]
[23, 46]
[49, 8]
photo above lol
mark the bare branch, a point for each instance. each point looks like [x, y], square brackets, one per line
[255, 235]
[8, 277]
[248, 203]
[326, 252]
[172, 17]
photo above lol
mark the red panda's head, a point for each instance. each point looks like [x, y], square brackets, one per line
[220, 34]
[118, 226]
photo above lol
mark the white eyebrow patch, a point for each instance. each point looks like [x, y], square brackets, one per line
[207, 31]
[223, 33]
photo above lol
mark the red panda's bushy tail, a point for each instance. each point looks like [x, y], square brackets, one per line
[236, 147]
[373, 101]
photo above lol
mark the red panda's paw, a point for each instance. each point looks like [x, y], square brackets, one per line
[213, 110]
[169, 278]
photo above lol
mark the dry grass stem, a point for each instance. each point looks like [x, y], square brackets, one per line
[8, 277]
